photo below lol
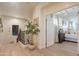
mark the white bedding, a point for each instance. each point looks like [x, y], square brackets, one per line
[71, 37]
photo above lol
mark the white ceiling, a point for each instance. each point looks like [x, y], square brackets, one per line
[17, 9]
[70, 12]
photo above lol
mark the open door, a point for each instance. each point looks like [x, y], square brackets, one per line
[50, 31]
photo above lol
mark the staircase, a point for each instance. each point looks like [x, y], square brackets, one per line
[22, 37]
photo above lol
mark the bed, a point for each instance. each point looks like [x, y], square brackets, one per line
[71, 37]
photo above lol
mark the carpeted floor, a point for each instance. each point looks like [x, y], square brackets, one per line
[15, 49]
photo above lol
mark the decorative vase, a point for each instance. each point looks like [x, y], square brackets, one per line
[32, 41]
[31, 47]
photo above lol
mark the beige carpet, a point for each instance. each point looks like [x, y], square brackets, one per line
[14, 49]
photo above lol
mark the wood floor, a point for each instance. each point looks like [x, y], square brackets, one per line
[14, 49]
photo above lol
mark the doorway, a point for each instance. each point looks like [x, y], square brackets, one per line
[67, 21]
[15, 29]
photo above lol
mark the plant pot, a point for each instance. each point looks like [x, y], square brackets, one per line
[31, 47]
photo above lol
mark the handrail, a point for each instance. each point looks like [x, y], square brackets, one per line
[19, 36]
[22, 37]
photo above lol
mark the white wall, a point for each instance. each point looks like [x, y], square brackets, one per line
[39, 13]
[7, 26]
[78, 35]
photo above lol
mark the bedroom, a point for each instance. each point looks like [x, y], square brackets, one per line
[65, 23]
[68, 21]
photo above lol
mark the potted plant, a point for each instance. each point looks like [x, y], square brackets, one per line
[32, 29]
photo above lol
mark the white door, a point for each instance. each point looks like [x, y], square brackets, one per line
[50, 31]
